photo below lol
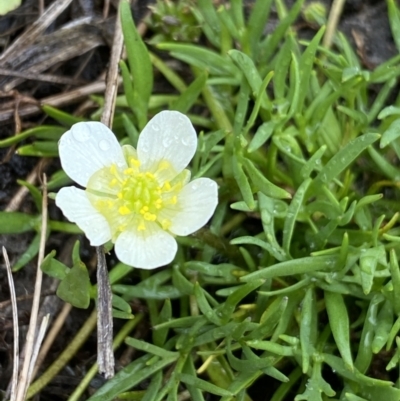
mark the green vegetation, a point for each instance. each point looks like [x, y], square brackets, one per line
[296, 280]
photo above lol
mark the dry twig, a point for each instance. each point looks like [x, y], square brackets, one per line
[14, 379]
[105, 354]
[23, 383]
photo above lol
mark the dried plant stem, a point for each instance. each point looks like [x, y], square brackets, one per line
[333, 20]
[19, 196]
[14, 379]
[105, 355]
[30, 338]
[65, 356]
[52, 335]
[119, 339]
[35, 29]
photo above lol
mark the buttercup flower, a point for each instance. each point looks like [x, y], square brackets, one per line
[139, 199]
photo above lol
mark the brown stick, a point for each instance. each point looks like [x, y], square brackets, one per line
[105, 354]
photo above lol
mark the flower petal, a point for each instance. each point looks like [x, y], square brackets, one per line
[147, 249]
[197, 202]
[86, 148]
[168, 136]
[77, 208]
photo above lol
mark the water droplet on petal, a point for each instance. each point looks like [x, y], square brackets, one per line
[167, 142]
[186, 141]
[80, 136]
[155, 127]
[104, 145]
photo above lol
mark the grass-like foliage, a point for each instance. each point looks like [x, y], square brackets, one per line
[293, 290]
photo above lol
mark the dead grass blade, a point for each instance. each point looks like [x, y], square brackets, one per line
[14, 379]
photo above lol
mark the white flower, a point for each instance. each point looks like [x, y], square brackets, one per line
[140, 199]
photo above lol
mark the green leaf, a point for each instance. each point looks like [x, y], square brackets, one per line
[53, 268]
[391, 134]
[394, 21]
[188, 98]
[29, 254]
[369, 260]
[203, 385]
[268, 46]
[202, 58]
[150, 348]
[130, 376]
[342, 159]
[8, 5]
[364, 354]
[292, 214]
[293, 267]
[139, 64]
[263, 133]
[43, 132]
[161, 335]
[243, 182]
[39, 149]
[339, 322]
[307, 324]
[306, 67]
[17, 223]
[246, 65]
[383, 325]
[75, 287]
[134, 291]
[261, 183]
[384, 165]
[62, 117]
[121, 304]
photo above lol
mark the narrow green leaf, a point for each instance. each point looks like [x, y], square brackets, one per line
[29, 254]
[121, 304]
[263, 133]
[268, 46]
[202, 58]
[129, 377]
[391, 134]
[139, 64]
[17, 223]
[248, 68]
[384, 165]
[292, 214]
[293, 267]
[364, 354]
[187, 99]
[306, 67]
[256, 24]
[384, 323]
[62, 117]
[203, 385]
[339, 323]
[342, 159]
[261, 183]
[204, 306]
[394, 21]
[243, 183]
[39, 149]
[150, 348]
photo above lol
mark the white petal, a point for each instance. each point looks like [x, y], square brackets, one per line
[86, 148]
[197, 202]
[167, 136]
[147, 249]
[77, 208]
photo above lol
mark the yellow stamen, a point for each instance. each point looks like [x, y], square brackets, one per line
[124, 210]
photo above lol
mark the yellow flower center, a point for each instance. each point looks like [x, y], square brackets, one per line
[129, 196]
